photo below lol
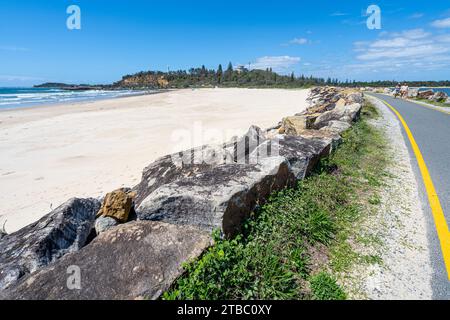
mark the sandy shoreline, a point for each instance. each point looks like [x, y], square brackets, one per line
[50, 154]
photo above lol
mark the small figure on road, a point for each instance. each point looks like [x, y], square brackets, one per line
[404, 91]
[397, 90]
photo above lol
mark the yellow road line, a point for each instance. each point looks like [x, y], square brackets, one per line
[436, 209]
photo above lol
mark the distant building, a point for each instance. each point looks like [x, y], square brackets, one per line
[240, 69]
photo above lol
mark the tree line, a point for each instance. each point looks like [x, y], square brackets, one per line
[224, 77]
[243, 77]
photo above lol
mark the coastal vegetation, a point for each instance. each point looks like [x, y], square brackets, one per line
[243, 77]
[299, 243]
[231, 76]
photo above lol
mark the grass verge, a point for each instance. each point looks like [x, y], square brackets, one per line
[297, 244]
[436, 103]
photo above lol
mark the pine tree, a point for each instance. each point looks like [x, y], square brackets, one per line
[230, 67]
[229, 72]
[219, 74]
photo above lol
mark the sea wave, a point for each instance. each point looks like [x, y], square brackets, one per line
[18, 97]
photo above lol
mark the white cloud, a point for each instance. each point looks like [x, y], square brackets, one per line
[417, 15]
[444, 23]
[13, 48]
[415, 34]
[277, 63]
[299, 41]
[410, 51]
[19, 78]
[414, 43]
[443, 38]
[338, 14]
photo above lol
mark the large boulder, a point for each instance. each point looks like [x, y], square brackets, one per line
[320, 108]
[136, 260]
[425, 94]
[225, 195]
[337, 126]
[64, 230]
[117, 205]
[355, 97]
[242, 147]
[295, 124]
[347, 113]
[302, 153]
[439, 96]
[341, 102]
[329, 137]
[201, 159]
[222, 197]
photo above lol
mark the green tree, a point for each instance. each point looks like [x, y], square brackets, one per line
[229, 72]
[219, 74]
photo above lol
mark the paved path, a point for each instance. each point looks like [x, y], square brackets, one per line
[431, 130]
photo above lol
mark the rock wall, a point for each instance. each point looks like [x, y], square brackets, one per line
[180, 200]
[414, 93]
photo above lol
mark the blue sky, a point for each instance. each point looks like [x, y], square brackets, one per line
[323, 38]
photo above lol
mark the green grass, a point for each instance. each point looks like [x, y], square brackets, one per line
[295, 244]
[324, 287]
[436, 103]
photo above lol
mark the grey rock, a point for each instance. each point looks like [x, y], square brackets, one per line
[3, 232]
[222, 197]
[301, 153]
[425, 94]
[342, 113]
[241, 148]
[172, 167]
[356, 97]
[439, 96]
[136, 260]
[197, 160]
[337, 126]
[325, 136]
[102, 224]
[65, 229]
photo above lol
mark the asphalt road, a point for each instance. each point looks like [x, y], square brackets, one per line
[431, 130]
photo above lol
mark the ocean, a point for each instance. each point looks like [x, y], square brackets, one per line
[11, 98]
[446, 90]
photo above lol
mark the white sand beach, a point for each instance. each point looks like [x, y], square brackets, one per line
[52, 153]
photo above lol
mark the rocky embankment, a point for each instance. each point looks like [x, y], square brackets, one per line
[415, 93]
[131, 244]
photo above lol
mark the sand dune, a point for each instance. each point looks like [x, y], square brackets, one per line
[50, 154]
